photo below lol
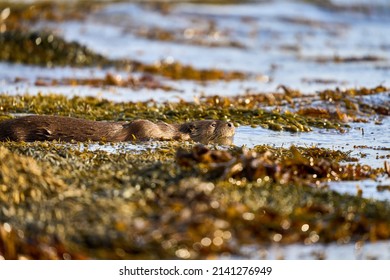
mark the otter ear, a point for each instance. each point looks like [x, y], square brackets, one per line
[187, 128]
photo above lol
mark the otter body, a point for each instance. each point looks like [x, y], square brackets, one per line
[67, 129]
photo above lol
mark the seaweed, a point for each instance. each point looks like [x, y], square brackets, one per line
[46, 49]
[101, 109]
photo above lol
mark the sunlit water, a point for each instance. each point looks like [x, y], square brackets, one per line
[350, 251]
[366, 141]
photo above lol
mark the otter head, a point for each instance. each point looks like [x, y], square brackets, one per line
[211, 131]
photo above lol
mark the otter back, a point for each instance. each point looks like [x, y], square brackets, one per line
[49, 128]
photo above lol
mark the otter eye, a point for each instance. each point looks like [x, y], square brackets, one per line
[213, 124]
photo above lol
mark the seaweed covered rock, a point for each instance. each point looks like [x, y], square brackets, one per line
[42, 48]
[24, 185]
[23, 178]
[291, 166]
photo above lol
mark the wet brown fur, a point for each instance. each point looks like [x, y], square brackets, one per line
[67, 129]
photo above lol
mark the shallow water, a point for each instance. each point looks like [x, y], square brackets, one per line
[368, 142]
[350, 251]
[369, 188]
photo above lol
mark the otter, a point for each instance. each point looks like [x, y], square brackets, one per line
[67, 129]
